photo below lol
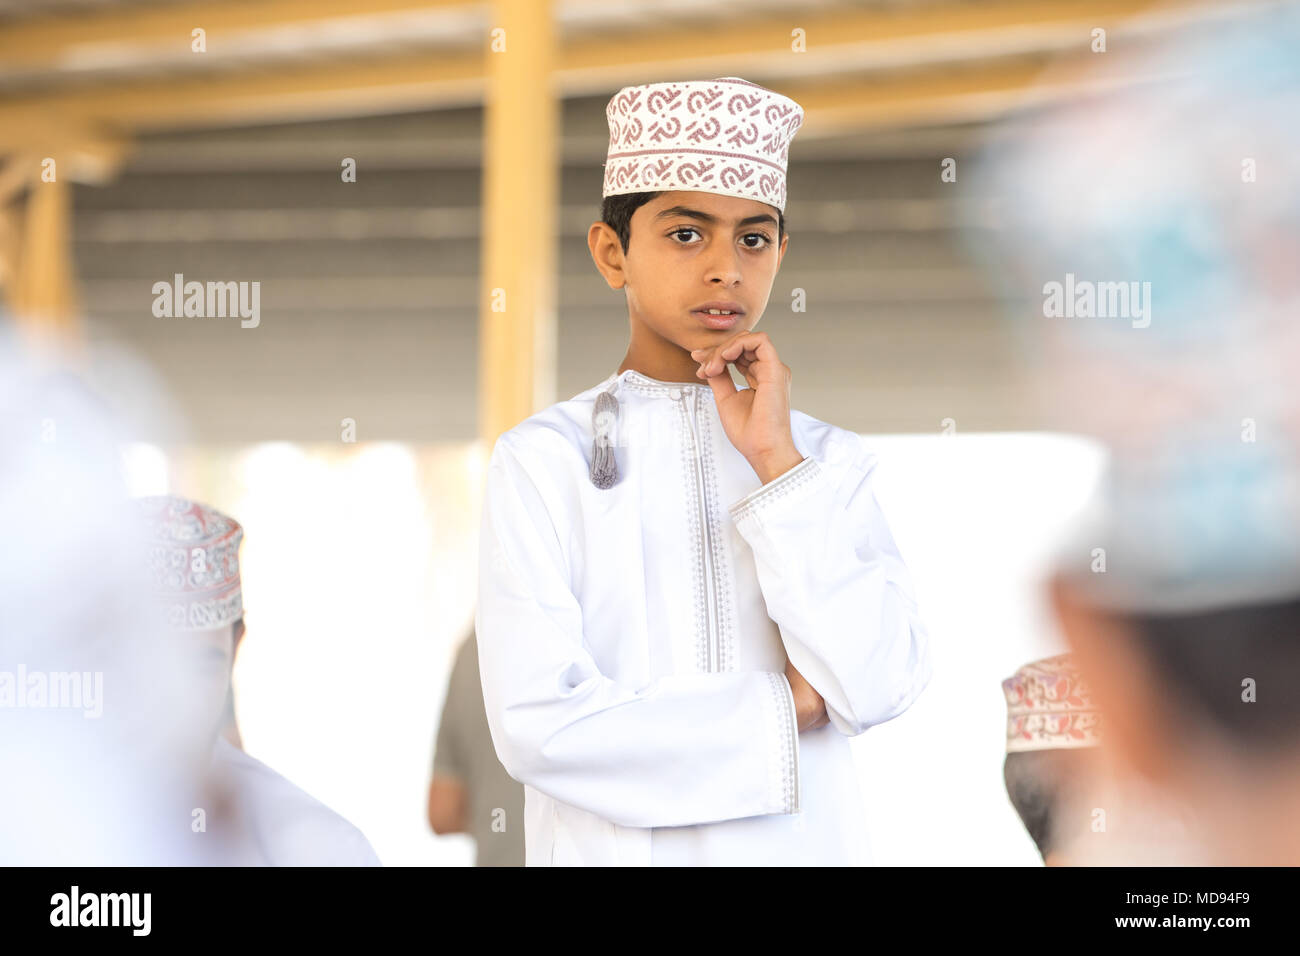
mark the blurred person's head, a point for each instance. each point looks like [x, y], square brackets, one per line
[213, 663]
[1154, 229]
[1051, 767]
[1202, 704]
[1050, 792]
[1077, 805]
[1146, 232]
[193, 574]
[692, 215]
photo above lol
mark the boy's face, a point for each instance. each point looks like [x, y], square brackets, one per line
[686, 250]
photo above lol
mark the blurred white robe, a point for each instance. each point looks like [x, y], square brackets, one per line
[272, 822]
[633, 640]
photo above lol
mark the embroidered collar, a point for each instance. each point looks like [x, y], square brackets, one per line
[653, 386]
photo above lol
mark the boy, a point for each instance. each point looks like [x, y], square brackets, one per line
[688, 597]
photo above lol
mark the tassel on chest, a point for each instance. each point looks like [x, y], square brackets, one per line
[604, 418]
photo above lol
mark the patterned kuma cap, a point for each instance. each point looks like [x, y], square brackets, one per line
[726, 136]
[1049, 707]
[192, 563]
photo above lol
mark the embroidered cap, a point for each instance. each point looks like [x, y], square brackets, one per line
[1049, 707]
[192, 561]
[725, 136]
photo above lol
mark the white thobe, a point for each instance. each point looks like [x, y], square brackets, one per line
[633, 640]
[278, 823]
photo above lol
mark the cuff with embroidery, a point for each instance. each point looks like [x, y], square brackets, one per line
[783, 732]
[804, 479]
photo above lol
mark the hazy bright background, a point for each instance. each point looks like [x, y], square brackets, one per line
[359, 558]
[359, 576]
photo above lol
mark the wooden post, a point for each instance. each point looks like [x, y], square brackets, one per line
[520, 193]
[44, 301]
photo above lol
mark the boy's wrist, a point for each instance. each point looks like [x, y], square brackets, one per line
[772, 466]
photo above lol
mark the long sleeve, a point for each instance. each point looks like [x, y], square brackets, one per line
[836, 586]
[684, 749]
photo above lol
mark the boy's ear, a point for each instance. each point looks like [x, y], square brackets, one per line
[607, 253]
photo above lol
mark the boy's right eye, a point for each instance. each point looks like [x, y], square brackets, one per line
[685, 229]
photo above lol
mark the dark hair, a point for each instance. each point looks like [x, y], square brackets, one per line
[1202, 659]
[616, 212]
[1045, 788]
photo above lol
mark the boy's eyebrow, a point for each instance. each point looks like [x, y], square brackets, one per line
[710, 218]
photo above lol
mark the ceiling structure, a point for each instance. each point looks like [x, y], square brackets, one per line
[124, 67]
[227, 159]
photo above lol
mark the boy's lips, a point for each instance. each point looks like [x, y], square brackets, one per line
[719, 321]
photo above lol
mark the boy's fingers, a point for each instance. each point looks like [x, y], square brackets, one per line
[746, 367]
[722, 385]
[756, 342]
[754, 347]
[704, 357]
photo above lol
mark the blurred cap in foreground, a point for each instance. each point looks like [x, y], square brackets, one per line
[1153, 226]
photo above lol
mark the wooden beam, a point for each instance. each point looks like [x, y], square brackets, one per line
[411, 82]
[327, 90]
[521, 162]
[858, 38]
[49, 42]
[956, 96]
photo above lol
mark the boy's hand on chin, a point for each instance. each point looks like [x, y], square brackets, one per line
[756, 419]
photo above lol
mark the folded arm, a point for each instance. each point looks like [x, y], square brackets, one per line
[837, 588]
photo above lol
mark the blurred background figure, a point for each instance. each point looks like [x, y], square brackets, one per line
[100, 747]
[229, 719]
[470, 791]
[1074, 804]
[1167, 217]
[193, 572]
[1052, 728]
